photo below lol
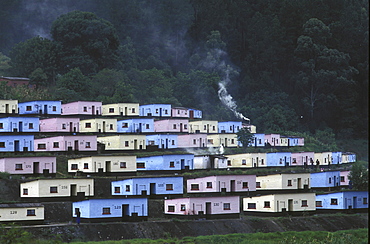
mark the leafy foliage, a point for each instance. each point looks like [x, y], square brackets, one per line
[359, 176]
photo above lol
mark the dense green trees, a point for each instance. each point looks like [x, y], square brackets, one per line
[297, 65]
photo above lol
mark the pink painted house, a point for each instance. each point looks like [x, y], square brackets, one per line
[302, 158]
[82, 108]
[192, 140]
[180, 112]
[344, 181]
[28, 165]
[171, 125]
[273, 139]
[66, 143]
[222, 183]
[60, 125]
[209, 207]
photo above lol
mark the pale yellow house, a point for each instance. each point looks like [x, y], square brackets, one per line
[57, 188]
[101, 125]
[123, 142]
[8, 106]
[239, 160]
[226, 140]
[203, 126]
[275, 203]
[251, 128]
[284, 141]
[121, 109]
[323, 158]
[95, 164]
[283, 181]
[21, 212]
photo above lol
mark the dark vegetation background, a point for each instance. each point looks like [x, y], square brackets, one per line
[291, 65]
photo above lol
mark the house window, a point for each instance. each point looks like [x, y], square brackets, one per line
[86, 165]
[304, 203]
[289, 182]
[87, 125]
[87, 144]
[173, 142]
[147, 126]
[214, 128]
[209, 184]
[262, 162]
[183, 207]
[2, 144]
[31, 212]
[122, 165]
[228, 162]
[318, 203]
[30, 125]
[267, 204]
[204, 127]
[244, 162]
[64, 126]
[126, 144]
[194, 187]
[140, 165]
[165, 111]
[85, 109]
[28, 108]
[333, 201]
[172, 164]
[106, 211]
[74, 167]
[124, 125]
[258, 184]
[245, 185]
[25, 191]
[117, 189]
[133, 110]
[171, 208]
[174, 126]
[18, 166]
[56, 145]
[194, 141]
[41, 146]
[156, 110]
[53, 189]
[342, 179]
[232, 141]
[294, 160]
[111, 110]
[227, 206]
[1, 126]
[251, 205]
[364, 200]
[111, 127]
[169, 187]
[127, 187]
[54, 108]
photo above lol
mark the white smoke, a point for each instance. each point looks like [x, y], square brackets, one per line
[226, 98]
[208, 151]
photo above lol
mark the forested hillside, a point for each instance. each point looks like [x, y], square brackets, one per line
[289, 65]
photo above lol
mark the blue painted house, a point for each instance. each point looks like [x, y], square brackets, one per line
[325, 179]
[343, 200]
[135, 126]
[348, 157]
[229, 126]
[336, 158]
[19, 124]
[40, 107]
[163, 141]
[155, 110]
[278, 159]
[166, 162]
[258, 140]
[16, 143]
[195, 113]
[148, 186]
[97, 210]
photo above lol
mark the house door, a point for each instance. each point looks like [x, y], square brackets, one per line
[135, 144]
[16, 146]
[160, 112]
[103, 126]
[191, 114]
[232, 185]
[182, 162]
[76, 145]
[20, 126]
[36, 166]
[45, 109]
[93, 110]
[256, 161]
[166, 143]
[108, 166]
[299, 183]
[354, 202]
[152, 189]
[290, 205]
[6, 108]
[125, 212]
[140, 128]
[180, 127]
[200, 142]
[208, 208]
[73, 190]
[71, 127]
[125, 111]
